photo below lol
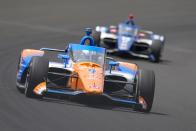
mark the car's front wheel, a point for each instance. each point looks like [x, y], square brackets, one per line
[146, 89]
[37, 73]
[155, 51]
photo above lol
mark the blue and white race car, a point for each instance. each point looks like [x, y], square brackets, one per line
[130, 38]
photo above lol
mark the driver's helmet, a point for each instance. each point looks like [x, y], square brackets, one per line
[88, 31]
[130, 17]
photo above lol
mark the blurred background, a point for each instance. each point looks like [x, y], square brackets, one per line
[49, 23]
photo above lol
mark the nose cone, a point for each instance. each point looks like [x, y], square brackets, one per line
[91, 78]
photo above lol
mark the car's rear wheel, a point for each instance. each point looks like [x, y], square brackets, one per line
[36, 74]
[155, 51]
[146, 89]
[96, 36]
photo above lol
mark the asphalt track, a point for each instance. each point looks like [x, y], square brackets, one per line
[49, 23]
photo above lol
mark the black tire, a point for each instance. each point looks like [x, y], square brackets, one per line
[146, 88]
[155, 51]
[37, 73]
[96, 36]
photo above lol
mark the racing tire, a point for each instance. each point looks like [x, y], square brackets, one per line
[36, 74]
[96, 36]
[146, 88]
[155, 51]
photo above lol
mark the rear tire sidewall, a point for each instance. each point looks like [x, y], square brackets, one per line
[97, 38]
[19, 81]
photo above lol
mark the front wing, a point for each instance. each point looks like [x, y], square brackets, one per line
[131, 102]
[41, 89]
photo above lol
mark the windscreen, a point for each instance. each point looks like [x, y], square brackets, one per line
[127, 30]
[83, 53]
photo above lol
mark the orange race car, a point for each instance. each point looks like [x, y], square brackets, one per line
[84, 70]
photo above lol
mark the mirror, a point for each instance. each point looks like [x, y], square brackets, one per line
[64, 57]
[113, 64]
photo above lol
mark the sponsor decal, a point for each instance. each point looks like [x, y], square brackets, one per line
[92, 71]
[94, 86]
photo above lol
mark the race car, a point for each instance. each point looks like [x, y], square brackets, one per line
[129, 38]
[83, 69]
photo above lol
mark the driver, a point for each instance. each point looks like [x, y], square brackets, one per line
[130, 20]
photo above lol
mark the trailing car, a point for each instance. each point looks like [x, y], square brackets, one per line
[85, 70]
[130, 38]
